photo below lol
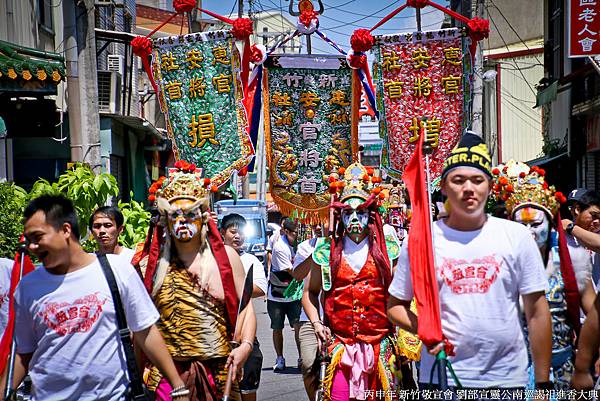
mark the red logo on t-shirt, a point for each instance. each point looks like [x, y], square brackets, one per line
[476, 276]
[3, 298]
[77, 317]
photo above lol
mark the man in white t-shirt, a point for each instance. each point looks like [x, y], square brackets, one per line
[65, 326]
[483, 265]
[232, 230]
[278, 307]
[106, 225]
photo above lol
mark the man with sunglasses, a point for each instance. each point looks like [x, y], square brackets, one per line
[282, 265]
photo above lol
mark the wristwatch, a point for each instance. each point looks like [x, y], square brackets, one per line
[570, 228]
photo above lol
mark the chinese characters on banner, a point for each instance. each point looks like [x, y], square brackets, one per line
[308, 122]
[201, 96]
[420, 85]
[584, 28]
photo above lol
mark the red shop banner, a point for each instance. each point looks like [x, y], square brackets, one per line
[584, 28]
[420, 86]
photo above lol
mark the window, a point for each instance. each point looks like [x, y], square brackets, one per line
[44, 14]
[554, 46]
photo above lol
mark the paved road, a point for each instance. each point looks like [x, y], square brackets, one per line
[286, 385]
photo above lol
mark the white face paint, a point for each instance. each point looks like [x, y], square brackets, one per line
[536, 221]
[355, 221]
[184, 225]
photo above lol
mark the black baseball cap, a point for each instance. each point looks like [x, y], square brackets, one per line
[576, 195]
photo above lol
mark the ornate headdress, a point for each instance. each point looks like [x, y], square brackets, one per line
[184, 181]
[518, 186]
[355, 181]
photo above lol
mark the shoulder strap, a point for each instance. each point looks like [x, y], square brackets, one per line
[134, 375]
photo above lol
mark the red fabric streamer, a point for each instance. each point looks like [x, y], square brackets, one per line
[389, 17]
[362, 40]
[256, 54]
[420, 252]
[226, 272]
[142, 47]
[358, 61]
[6, 341]
[243, 171]
[184, 6]
[568, 274]
[307, 16]
[242, 28]
[417, 3]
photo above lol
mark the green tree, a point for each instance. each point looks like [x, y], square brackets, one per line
[12, 202]
[136, 222]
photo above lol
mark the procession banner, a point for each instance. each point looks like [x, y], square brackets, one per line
[584, 28]
[310, 129]
[421, 85]
[201, 95]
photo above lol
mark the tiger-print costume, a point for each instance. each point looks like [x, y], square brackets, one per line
[193, 324]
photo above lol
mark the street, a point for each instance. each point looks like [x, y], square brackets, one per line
[285, 385]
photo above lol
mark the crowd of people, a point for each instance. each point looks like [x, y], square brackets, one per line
[173, 319]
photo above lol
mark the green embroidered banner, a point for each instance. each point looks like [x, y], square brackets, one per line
[201, 95]
[308, 128]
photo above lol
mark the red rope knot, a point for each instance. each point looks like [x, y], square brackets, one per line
[362, 40]
[142, 46]
[417, 3]
[307, 16]
[479, 28]
[357, 60]
[258, 54]
[242, 28]
[184, 6]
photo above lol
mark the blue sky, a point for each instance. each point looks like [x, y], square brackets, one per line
[342, 17]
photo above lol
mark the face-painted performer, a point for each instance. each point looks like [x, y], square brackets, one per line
[196, 283]
[354, 273]
[529, 200]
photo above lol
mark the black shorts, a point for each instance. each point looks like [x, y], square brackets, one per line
[252, 368]
[279, 310]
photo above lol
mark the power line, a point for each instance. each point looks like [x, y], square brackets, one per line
[507, 48]
[513, 29]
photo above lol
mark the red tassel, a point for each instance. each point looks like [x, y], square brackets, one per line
[307, 16]
[479, 29]
[142, 47]
[362, 40]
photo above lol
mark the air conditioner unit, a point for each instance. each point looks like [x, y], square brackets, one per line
[109, 92]
[116, 63]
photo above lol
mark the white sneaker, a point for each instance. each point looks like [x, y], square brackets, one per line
[279, 364]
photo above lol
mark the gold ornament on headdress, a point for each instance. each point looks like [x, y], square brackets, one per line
[518, 186]
[184, 181]
[355, 181]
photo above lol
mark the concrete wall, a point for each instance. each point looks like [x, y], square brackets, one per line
[525, 16]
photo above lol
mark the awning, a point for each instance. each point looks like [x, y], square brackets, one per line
[27, 64]
[547, 159]
[137, 124]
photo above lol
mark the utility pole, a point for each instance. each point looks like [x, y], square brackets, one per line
[82, 85]
[245, 178]
[477, 111]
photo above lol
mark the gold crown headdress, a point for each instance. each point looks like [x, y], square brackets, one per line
[518, 186]
[184, 181]
[354, 181]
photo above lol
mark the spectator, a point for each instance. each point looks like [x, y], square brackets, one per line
[106, 225]
[480, 311]
[232, 230]
[65, 326]
[279, 278]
